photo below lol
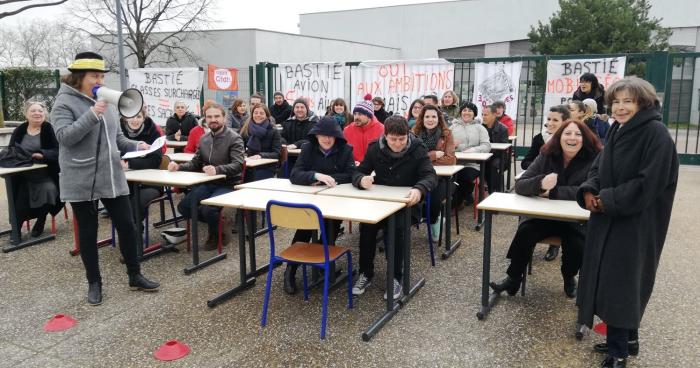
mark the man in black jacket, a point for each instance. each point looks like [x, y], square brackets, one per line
[280, 108]
[220, 152]
[498, 133]
[398, 159]
[325, 160]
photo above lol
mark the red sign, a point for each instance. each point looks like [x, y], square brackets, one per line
[222, 79]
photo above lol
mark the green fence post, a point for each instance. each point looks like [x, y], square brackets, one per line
[260, 78]
[251, 80]
[270, 82]
[3, 101]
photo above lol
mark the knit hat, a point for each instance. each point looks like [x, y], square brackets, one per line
[88, 62]
[368, 97]
[278, 93]
[326, 126]
[302, 101]
[364, 107]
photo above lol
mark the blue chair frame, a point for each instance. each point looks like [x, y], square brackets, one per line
[325, 265]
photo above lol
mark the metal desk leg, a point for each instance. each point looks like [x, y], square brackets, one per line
[408, 290]
[16, 231]
[449, 246]
[480, 216]
[487, 300]
[245, 282]
[253, 233]
[196, 265]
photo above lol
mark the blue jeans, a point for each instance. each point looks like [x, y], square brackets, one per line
[208, 214]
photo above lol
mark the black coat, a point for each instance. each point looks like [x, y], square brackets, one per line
[381, 115]
[568, 178]
[635, 176]
[282, 112]
[497, 134]
[149, 134]
[184, 125]
[413, 169]
[598, 96]
[533, 152]
[339, 163]
[49, 149]
[296, 132]
[270, 144]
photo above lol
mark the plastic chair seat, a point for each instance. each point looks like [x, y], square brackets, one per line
[311, 252]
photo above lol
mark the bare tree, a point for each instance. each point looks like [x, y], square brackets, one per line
[154, 30]
[32, 4]
[40, 44]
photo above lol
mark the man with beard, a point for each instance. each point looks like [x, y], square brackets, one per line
[280, 109]
[364, 130]
[220, 152]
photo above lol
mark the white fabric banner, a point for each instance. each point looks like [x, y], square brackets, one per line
[162, 87]
[320, 83]
[400, 82]
[563, 77]
[497, 82]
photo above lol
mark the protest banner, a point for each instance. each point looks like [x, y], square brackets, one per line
[400, 82]
[497, 82]
[563, 77]
[319, 82]
[222, 79]
[161, 88]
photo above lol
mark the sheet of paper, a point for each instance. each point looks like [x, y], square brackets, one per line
[157, 144]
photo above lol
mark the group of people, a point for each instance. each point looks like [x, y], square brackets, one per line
[624, 174]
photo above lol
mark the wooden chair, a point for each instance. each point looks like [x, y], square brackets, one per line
[306, 217]
[552, 240]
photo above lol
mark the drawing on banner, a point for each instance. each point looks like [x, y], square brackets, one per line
[497, 82]
[161, 88]
[497, 87]
[320, 83]
[563, 77]
[400, 82]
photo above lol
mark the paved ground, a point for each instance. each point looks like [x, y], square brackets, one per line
[438, 327]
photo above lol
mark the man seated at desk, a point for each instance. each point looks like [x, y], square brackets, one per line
[398, 159]
[325, 160]
[220, 152]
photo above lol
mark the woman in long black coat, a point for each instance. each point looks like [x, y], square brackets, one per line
[629, 192]
[36, 194]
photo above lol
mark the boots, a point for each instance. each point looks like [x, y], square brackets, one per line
[290, 282]
[508, 284]
[138, 282]
[38, 227]
[94, 296]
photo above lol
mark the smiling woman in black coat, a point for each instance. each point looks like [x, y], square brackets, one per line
[325, 160]
[555, 174]
[629, 191]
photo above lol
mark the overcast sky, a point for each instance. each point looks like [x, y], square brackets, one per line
[275, 15]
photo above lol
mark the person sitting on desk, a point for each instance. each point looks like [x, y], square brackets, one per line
[555, 118]
[262, 140]
[36, 192]
[556, 174]
[398, 159]
[498, 133]
[138, 128]
[432, 129]
[220, 152]
[178, 126]
[325, 160]
[469, 136]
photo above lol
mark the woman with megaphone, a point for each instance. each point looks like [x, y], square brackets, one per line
[90, 138]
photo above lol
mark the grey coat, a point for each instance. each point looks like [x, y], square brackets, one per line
[472, 137]
[77, 130]
[224, 150]
[635, 176]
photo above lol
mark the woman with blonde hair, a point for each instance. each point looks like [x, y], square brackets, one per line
[449, 104]
[261, 139]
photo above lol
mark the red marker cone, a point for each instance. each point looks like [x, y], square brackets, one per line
[172, 350]
[601, 329]
[59, 322]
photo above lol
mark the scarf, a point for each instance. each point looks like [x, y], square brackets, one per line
[256, 132]
[430, 137]
[340, 119]
[131, 133]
